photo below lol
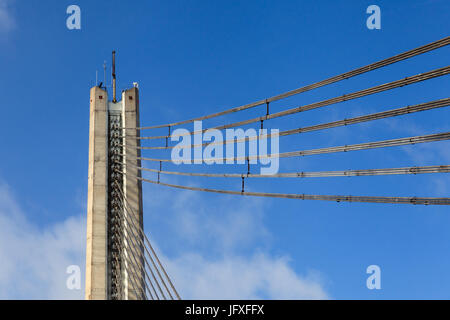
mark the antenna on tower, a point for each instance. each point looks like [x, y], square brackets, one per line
[114, 75]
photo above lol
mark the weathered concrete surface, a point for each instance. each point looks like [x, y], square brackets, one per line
[133, 186]
[96, 250]
[97, 221]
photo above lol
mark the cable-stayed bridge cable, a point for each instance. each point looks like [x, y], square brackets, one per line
[137, 239]
[337, 198]
[346, 148]
[135, 245]
[136, 225]
[345, 122]
[135, 255]
[317, 174]
[346, 97]
[379, 64]
[132, 239]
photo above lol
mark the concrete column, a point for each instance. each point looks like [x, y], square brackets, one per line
[96, 250]
[133, 186]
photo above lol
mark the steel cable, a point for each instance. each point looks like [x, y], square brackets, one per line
[136, 225]
[370, 117]
[132, 239]
[353, 147]
[379, 64]
[346, 97]
[337, 198]
[129, 262]
[144, 258]
[317, 174]
[134, 283]
[133, 250]
[133, 254]
[137, 239]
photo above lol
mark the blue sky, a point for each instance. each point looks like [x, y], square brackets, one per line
[197, 57]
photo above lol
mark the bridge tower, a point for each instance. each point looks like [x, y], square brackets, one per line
[114, 253]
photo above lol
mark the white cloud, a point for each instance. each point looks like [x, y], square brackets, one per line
[435, 153]
[260, 276]
[224, 225]
[34, 261]
[7, 22]
[224, 250]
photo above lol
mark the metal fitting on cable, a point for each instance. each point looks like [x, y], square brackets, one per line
[248, 166]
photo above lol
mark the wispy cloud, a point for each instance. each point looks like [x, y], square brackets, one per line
[33, 260]
[224, 251]
[7, 21]
[436, 153]
[260, 276]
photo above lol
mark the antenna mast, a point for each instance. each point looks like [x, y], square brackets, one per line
[114, 75]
